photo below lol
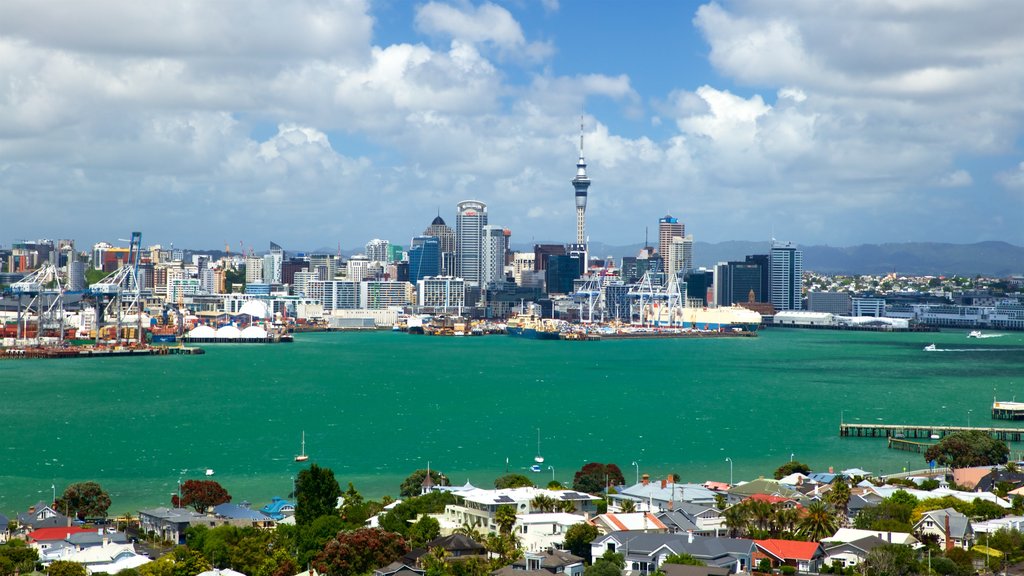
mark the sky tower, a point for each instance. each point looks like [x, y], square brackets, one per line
[581, 183]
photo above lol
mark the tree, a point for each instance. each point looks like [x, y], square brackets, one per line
[818, 522]
[317, 492]
[609, 564]
[17, 556]
[594, 477]
[84, 500]
[505, 518]
[503, 547]
[968, 448]
[737, 519]
[627, 506]
[791, 467]
[512, 481]
[424, 530]
[66, 568]
[891, 560]
[685, 559]
[839, 497]
[543, 503]
[360, 551]
[201, 495]
[412, 485]
[578, 538]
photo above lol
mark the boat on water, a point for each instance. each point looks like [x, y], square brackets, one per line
[930, 348]
[535, 468]
[538, 458]
[534, 327]
[302, 457]
[975, 334]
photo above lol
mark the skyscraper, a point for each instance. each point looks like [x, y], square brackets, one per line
[377, 250]
[581, 184]
[492, 256]
[470, 219]
[787, 265]
[446, 236]
[424, 258]
[668, 228]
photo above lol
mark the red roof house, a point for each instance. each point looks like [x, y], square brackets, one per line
[804, 556]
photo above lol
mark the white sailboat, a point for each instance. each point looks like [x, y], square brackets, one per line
[303, 456]
[538, 458]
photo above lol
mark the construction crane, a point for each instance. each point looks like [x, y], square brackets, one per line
[120, 285]
[46, 301]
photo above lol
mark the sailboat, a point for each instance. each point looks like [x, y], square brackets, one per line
[538, 458]
[303, 456]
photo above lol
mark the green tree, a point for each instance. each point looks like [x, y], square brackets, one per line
[818, 522]
[967, 448]
[609, 564]
[594, 477]
[543, 503]
[838, 496]
[985, 510]
[188, 562]
[84, 500]
[17, 556]
[627, 506]
[791, 467]
[360, 551]
[412, 485]
[512, 481]
[505, 518]
[737, 519]
[891, 560]
[424, 530]
[201, 495]
[503, 547]
[66, 568]
[685, 559]
[317, 492]
[578, 538]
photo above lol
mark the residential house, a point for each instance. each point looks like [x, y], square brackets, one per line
[851, 534]
[170, 523]
[762, 486]
[990, 481]
[399, 568]
[545, 530]
[661, 495]
[969, 477]
[458, 546]
[951, 528]
[645, 553]
[41, 516]
[846, 554]
[997, 524]
[243, 516]
[699, 519]
[687, 570]
[543, 564]
[477, 507]
[45, 538]
[639, 522]
[279, 508]
[98, 551]
[5, 530]
[888, 490]
[221, 572]
[804, 556]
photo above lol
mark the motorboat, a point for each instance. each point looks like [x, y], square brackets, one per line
[930, 348]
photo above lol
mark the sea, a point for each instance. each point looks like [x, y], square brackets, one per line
[376, 406]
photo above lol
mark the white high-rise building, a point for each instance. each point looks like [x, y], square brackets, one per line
[357, 268]
[275, 261]
[522, 262]
[441, 293]
[377, 250]
[253, 270]
[469, 224]
[787, 269]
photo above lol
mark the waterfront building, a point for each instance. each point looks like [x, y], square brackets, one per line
[180, 287]
[377, 250]
[469, 224]
[357, 268]
[668, 229]
[478, 507]
[335, 294]
[424, 258]
[441, 294]
[522, 262]
[381, 294]
[325, 266]
[492, 256]
[300, 283]
[838, 303]
[561, 272]
[1007, 315]
[253, 269]
[700, 285]
[617, 301]
[581, 185]
[787, 269]
[867, 307]
[764, 262]
[273, 262]
[76, 275]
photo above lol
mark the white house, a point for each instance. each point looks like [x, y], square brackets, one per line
[545, 530]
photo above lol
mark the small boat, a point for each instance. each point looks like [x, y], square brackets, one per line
[303, 456]
[975, 334]
[209, 471]
[535, 468]
[930, 348]
[934, 436]
[538, 458]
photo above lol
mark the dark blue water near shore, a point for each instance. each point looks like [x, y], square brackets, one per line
[377, 406]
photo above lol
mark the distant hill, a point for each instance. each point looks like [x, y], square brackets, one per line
[914, 258]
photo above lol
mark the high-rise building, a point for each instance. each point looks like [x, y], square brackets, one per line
[424, 258]
[764, 261]
[560, 273]
[581, 184]
[446, 236]
[377, 250]
[253, 270]
[787, 266]
[668, 228]
[470, 220]
[275, 262]
[357, 268]
[492, 256]
[441, 294]
[675, 256]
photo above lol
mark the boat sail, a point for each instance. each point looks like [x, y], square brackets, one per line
[538, 458]
[303, 456]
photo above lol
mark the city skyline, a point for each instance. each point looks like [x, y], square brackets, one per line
[336, 123]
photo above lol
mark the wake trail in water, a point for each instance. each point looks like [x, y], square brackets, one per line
[970, 350]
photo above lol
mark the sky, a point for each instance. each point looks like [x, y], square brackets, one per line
[318, 123]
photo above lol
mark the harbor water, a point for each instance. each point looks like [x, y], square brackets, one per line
[376, 406]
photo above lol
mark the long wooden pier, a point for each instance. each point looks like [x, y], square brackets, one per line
[901, 431]
[907, 445]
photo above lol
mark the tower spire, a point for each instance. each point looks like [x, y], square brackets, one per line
[581, 184]
[581, 136]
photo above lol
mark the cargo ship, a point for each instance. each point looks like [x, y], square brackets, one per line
[534, 327]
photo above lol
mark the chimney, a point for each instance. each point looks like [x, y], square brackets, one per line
[689, 536]
[949, 538]
[831, 470]
[645, 479]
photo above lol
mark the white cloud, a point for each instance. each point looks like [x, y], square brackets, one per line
[488, 23]
[956, 179]
[1012, 179]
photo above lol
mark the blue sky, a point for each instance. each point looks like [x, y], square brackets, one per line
[324, 122]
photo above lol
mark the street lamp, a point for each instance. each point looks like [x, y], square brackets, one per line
[729, 460]
[969, 417]
[552, 468]
[637, 471]
[790, 456]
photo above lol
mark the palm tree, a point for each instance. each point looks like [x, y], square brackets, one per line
[627, 506]
[471, 531]
[505, 518]
[786, 520]
[737, 520]
[543, 503]
[818, 522]
[761, 513]
[839, 497]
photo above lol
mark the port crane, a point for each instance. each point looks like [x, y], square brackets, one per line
[45, 291]
[122, 291]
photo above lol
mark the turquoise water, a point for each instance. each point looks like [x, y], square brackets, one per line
[377, 406]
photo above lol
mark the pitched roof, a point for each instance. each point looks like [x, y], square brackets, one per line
[865, 545]
[685, 570]
[713, 551]
[456, 542]
[959, 525]
[763, 486]
[789, 549]
[631, 521]
[55, 533]
[236, 512]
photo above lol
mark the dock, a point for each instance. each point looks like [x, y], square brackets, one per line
[904, 431]
[1007, 410]
[908, 445]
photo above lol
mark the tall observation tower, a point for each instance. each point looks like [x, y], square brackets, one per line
[581, 183]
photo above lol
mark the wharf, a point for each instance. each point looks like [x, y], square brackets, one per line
[57, 352]
[1007, 410]
[903, 431]
[271, 339]
[669, 334]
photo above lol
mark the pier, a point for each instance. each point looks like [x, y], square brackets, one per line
[904, 431]
[908, 445]
[1007, 410]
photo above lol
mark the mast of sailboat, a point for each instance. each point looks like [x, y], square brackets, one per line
[538, 458]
